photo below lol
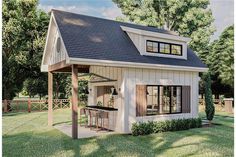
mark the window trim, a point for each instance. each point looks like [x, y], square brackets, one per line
[158, 100]
[160, 42]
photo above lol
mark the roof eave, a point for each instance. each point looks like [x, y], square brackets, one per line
[134, 65]
[155, 34]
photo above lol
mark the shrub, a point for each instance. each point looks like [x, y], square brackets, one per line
[145, 128]
[210, 108]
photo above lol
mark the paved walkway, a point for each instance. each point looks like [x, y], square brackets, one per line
[82, 131]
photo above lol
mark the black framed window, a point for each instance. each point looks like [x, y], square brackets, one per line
[164, 99]
[176, 49]
[163, 48]
[152, 46]
[152, 100]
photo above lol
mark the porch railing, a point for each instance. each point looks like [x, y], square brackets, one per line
[33, 105]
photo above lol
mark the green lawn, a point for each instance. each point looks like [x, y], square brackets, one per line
[27, 134]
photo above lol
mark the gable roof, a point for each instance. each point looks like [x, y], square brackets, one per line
[87, 37]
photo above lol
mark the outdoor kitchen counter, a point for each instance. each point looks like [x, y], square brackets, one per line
[112, 115]
[102, 108]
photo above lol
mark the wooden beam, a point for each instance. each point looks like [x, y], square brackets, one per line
[74, 102]
[50, 98]
[58, 66]
[68, 70]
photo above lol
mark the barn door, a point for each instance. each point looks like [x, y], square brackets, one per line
[141, 100]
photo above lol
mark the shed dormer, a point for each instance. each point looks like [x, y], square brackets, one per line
[158, 44]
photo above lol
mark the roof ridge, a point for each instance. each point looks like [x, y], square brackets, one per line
[152, 27]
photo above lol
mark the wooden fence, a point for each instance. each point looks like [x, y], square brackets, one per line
[33, 105]
[220, 105]
[42, 105]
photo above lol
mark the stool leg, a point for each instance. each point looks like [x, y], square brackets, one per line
[97, 123]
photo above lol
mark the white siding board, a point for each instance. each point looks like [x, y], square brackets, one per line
[145, 76]
[128, 78]
[117, 74]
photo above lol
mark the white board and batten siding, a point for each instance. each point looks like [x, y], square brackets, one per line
[52, 56]
[114, 73]
[128, 78]
[140, 43]
[57, 56]
[137, 76]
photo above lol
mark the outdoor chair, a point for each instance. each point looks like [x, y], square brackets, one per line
[93, 116]
[102, 116]
[83, 113]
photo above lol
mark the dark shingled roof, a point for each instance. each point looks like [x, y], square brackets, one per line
[95, 38]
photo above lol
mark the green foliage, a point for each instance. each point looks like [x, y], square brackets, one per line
[36, 86]
[221, 58]
[209, 109]
[24, 32]
[145, 128]
[59, 85]
[82, 87]
[189, 18]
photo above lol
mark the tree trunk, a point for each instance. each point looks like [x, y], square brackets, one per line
[57, 89]
[210, 123]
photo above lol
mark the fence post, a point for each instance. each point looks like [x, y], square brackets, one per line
[70, 103]
[5, 106]
[229, 105]
[60, 103]
[29, 105]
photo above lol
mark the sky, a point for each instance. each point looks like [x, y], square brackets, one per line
[222, 10]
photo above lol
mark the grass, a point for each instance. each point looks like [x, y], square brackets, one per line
[27, 134]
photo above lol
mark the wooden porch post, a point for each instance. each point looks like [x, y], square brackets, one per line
[74, 102]
[50, 98]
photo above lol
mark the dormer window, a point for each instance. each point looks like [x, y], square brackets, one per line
[163, 48]
[152, 46]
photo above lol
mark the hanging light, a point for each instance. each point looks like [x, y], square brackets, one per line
[86, 91]
[114, 92]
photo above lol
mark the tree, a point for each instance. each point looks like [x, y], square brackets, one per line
[221, 57]
[24, 32]
[36, 86]
[210, 109]
[59, 84]
[82, 88]
[189, 18]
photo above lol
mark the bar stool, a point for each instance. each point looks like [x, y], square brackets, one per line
[82, 112]
[93, 114]
[103, 115]
[87, 113]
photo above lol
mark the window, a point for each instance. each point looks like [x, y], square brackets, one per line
[152, 100]
[163, 48]
[152, 46]
[164, 100]
[176, 49]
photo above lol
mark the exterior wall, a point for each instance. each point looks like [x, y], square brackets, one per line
[57, 56]
[128, 78]
[116, 74]
[134, 76]
[140, 43]
[51, 55]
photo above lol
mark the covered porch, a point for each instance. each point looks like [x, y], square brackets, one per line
[74, 130]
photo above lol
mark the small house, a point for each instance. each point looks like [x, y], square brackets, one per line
[153, 71]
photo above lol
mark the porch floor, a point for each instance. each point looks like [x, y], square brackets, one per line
[83, 132]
